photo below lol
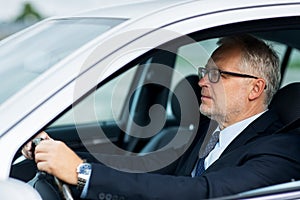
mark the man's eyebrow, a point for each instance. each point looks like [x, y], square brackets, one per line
[210, 67]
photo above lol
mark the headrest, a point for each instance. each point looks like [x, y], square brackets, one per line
[286, 102]
[188, 93]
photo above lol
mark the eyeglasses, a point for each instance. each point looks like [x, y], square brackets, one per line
[214, 74]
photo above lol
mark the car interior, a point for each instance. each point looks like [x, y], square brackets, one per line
[157, 107]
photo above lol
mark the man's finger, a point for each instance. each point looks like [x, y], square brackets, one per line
[27, 153]
[43, 166]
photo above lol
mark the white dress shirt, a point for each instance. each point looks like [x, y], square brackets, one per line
[227, 135]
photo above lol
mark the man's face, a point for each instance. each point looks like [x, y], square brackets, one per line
[225, 99]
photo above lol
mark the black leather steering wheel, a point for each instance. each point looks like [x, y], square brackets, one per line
[44, 185]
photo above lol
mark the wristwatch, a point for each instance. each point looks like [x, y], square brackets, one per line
[83, 173]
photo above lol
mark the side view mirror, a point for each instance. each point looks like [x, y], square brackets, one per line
[17, 190]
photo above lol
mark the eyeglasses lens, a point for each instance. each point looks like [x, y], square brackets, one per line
[213, 75]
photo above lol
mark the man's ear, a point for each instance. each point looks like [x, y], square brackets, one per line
[258, 87]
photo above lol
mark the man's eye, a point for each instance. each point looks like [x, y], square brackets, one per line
[224, 75]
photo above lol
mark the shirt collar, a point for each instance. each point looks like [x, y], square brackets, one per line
[228, 134]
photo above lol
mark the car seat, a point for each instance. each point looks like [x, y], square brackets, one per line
[286, 104]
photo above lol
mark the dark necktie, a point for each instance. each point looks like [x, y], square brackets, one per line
[209, 147]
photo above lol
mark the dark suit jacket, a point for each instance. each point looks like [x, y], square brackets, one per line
[256, 158]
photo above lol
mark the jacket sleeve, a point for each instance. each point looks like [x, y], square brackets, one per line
[267, 161]
[107, 182]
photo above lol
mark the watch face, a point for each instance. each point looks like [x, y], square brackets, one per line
[84, 169]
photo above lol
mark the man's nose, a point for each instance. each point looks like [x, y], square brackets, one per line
[203, 81]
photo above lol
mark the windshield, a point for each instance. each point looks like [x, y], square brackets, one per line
[28, 55]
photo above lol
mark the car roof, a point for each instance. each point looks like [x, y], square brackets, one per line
[137, 9]
[146, 7]
[153, 8]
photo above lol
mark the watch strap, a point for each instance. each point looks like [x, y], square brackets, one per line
[83, 170]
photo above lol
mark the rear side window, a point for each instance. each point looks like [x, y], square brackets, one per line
[292, 73]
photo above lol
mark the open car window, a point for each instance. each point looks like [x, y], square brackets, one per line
[113, 99]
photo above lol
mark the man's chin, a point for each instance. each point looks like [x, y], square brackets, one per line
[205, 112]
[210, 113]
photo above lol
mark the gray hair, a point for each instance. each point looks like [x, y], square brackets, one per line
[259, 59]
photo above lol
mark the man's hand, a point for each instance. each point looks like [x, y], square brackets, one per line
[27, 149]
[56, 158]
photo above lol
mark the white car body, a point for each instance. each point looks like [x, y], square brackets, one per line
[149, 25]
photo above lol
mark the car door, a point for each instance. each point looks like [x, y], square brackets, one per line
[198, 28]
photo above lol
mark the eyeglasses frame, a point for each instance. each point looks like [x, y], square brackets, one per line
[200, 69]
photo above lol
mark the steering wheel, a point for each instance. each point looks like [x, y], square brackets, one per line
[43, 184]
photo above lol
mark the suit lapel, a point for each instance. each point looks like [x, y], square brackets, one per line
[188, 160]
[268, 123]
